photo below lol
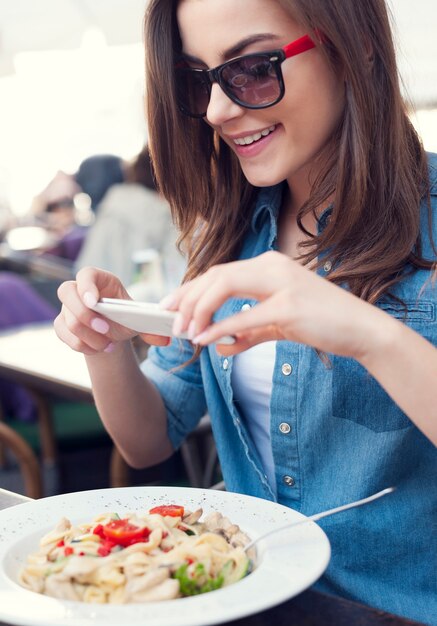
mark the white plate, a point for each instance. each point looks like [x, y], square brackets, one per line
[287, 564]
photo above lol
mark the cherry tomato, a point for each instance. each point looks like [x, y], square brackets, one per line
[123, 533]
[172, 510]
[98, 530]
[105, 547]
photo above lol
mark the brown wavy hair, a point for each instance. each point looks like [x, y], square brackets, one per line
[374, 167]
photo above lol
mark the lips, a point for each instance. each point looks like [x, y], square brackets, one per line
[254, 146]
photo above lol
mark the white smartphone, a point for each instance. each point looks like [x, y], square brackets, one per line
[143, 317]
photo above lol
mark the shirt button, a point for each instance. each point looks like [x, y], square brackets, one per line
[246, 307]
[286, 369]
[328, 266]
[284, 428]
[225, 364]
[289, 481]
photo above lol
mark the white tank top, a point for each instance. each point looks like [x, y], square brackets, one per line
[252, 379]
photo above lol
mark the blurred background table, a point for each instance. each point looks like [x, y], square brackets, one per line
[34, 356]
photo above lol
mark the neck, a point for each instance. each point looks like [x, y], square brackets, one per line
[289, 233]
[299, 190]
[290, 236]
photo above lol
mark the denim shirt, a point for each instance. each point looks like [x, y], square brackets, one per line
[336, 437]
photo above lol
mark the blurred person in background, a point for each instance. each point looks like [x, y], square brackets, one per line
[133, 218]
[130, 217]
[53, 207]
[20, 304]
[56, 209]
[96, 174]
[66, 204]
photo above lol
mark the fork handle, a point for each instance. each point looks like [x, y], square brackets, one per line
[317, 516]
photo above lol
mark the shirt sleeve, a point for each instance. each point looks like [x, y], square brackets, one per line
[180, 386]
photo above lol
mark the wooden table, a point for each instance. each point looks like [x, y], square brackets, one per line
[310, 608]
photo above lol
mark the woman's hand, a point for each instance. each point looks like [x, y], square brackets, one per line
[83, 329]
[294, 304]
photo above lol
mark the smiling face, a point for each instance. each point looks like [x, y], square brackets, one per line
[280, 142]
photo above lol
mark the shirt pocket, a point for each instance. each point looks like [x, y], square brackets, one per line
[357, 396]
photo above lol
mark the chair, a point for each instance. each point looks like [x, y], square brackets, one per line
[63, 429]
[199, 457]
[70, 426]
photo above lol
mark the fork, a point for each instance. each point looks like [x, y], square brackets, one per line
[317, 516]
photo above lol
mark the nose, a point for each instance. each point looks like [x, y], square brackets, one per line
[221, 108]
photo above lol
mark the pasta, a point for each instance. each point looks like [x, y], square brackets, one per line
[164, 554]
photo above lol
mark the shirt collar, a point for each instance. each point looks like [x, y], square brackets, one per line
[324, 218]
[268, 202]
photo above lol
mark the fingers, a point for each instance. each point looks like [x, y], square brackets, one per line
[93, 283]
[84, 331]
[90, 285]
[155, 340]
[247, 340]
[85, 283]
[197, 300]
[79, 320]
[68, 294]
[87, 289]
[260, 323]
[199, 303]
[79, 337]
[80, 327]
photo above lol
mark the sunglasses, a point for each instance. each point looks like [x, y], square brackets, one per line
[253, 81]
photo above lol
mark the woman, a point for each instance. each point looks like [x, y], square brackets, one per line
[289, 168]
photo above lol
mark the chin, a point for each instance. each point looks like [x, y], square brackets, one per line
[266, 179]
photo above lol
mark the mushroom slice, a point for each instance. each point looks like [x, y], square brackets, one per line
[192, 518]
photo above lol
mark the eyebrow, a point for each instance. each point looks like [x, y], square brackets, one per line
[239, 47]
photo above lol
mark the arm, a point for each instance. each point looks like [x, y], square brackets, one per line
[129, 405]
[298, 305]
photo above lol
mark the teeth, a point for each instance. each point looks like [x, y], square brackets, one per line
[245, 141]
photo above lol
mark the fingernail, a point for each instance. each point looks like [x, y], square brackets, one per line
[99, 325]
[167, 301]
[199, 337]
[89, 299]
[191, 332]
[177, 324]
[109, 348]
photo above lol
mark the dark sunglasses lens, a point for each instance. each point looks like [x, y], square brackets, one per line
[193, 91]
[252, 80]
